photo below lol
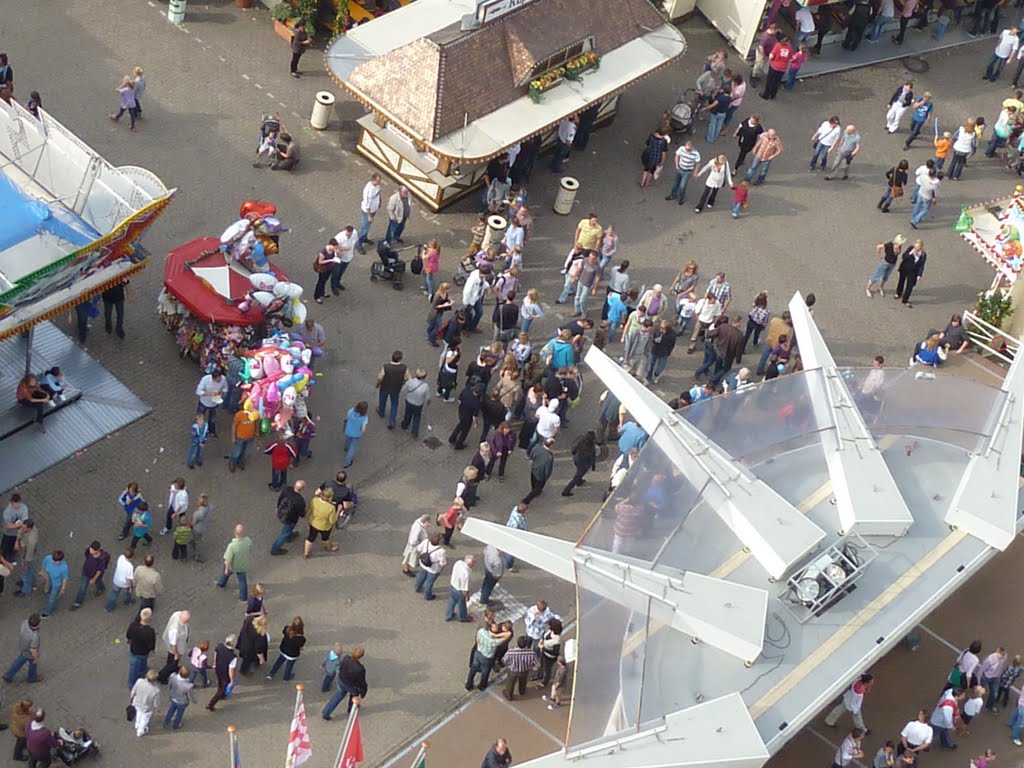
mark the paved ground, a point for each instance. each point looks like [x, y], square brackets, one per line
[208, 85]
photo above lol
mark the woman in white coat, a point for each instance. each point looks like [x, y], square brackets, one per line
[719, 174]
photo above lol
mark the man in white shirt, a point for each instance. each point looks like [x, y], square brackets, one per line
[823, 140]
[124, 573]
[849, 750]
[916, 735]
[805, 24]
[175, 639]
[458, 593]
[367, 210]
[436, 560]
[921, 172]
[537, 618]
[211, 390]
[566, 134]
[1006, 46]
[473, 293]
[347, 240]
[852, 702]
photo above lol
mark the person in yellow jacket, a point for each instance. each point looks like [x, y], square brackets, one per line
[321, 514]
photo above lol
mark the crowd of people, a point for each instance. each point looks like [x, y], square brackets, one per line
[518, 389]
[976, 684]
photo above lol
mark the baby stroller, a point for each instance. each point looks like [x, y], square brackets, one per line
[270, 124]
[684, 114]
[76, 745]
[390, 267]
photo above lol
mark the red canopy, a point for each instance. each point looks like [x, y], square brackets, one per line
[198, 295]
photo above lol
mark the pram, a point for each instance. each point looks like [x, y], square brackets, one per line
[271, 124]
[683, 115]
[76, 745]
[389, 267]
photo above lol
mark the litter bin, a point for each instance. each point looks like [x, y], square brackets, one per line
[322, 108]
[176, 11]
[567, 189]
[496, 226]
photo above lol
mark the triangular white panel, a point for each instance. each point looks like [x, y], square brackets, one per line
[986, 501]
[772, 528]
[553, 555]
[217, 278]
[867, 497]
[723, 614]
[716, 734]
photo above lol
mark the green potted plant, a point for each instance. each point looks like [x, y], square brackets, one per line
[994, 307]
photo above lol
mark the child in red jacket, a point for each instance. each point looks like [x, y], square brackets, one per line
[740, 193]
[282, 454]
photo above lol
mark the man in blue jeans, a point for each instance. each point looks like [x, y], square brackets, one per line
[96, 563]
[390, 378]
[28, 650]
[351, 682]
[432, 558]
[141, 644]
[686, 161]
[767, 147]
[458, 592]
[291, 507]
[237, 558]
[56, 569]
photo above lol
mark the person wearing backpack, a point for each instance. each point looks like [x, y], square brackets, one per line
[323, 265]
[432, 560]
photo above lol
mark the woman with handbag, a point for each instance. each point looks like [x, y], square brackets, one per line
[897, 178]
[653, 157]
[323, 265]
[964, 672]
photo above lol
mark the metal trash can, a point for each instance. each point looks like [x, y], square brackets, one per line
[496, 226]
[322, 108]
[567, 189]
[176, 11]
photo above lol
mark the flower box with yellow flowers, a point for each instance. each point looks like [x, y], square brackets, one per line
[574, 68]
[546, 82]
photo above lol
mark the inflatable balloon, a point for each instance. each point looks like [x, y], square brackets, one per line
[255, 368]
[281, 290]
[298, 310]
[263, 298]
[294, 291]
[287, 364]
[265, 427]
[262, 281]
[235, 231]
[259, 255]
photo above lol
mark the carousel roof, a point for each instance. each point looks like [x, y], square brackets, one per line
[71, 221]
[429, 84]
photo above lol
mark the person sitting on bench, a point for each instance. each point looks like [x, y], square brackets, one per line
[54, 383]
[31, 394]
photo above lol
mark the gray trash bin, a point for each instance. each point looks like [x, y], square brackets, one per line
[322, 108]
[176, 11]
[567, 189]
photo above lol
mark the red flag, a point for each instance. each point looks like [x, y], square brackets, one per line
[352, 754]
[299, 747]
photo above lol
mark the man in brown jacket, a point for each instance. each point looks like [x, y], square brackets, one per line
[148, 583]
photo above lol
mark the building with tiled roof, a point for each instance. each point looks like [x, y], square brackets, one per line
[448, 84]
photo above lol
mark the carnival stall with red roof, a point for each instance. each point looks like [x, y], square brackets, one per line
[224, 294]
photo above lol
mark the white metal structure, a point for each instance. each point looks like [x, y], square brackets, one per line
[695, 646]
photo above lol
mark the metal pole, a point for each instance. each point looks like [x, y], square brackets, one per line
[348, 730]
[231, 746]
[29, 334]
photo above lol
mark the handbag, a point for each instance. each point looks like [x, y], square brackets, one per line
[130, 712]
[956, 676]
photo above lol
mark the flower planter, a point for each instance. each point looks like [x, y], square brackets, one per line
[284, 31]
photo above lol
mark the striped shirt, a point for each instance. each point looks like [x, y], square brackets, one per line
[687, 159]
[760, 315]
[519, 660]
